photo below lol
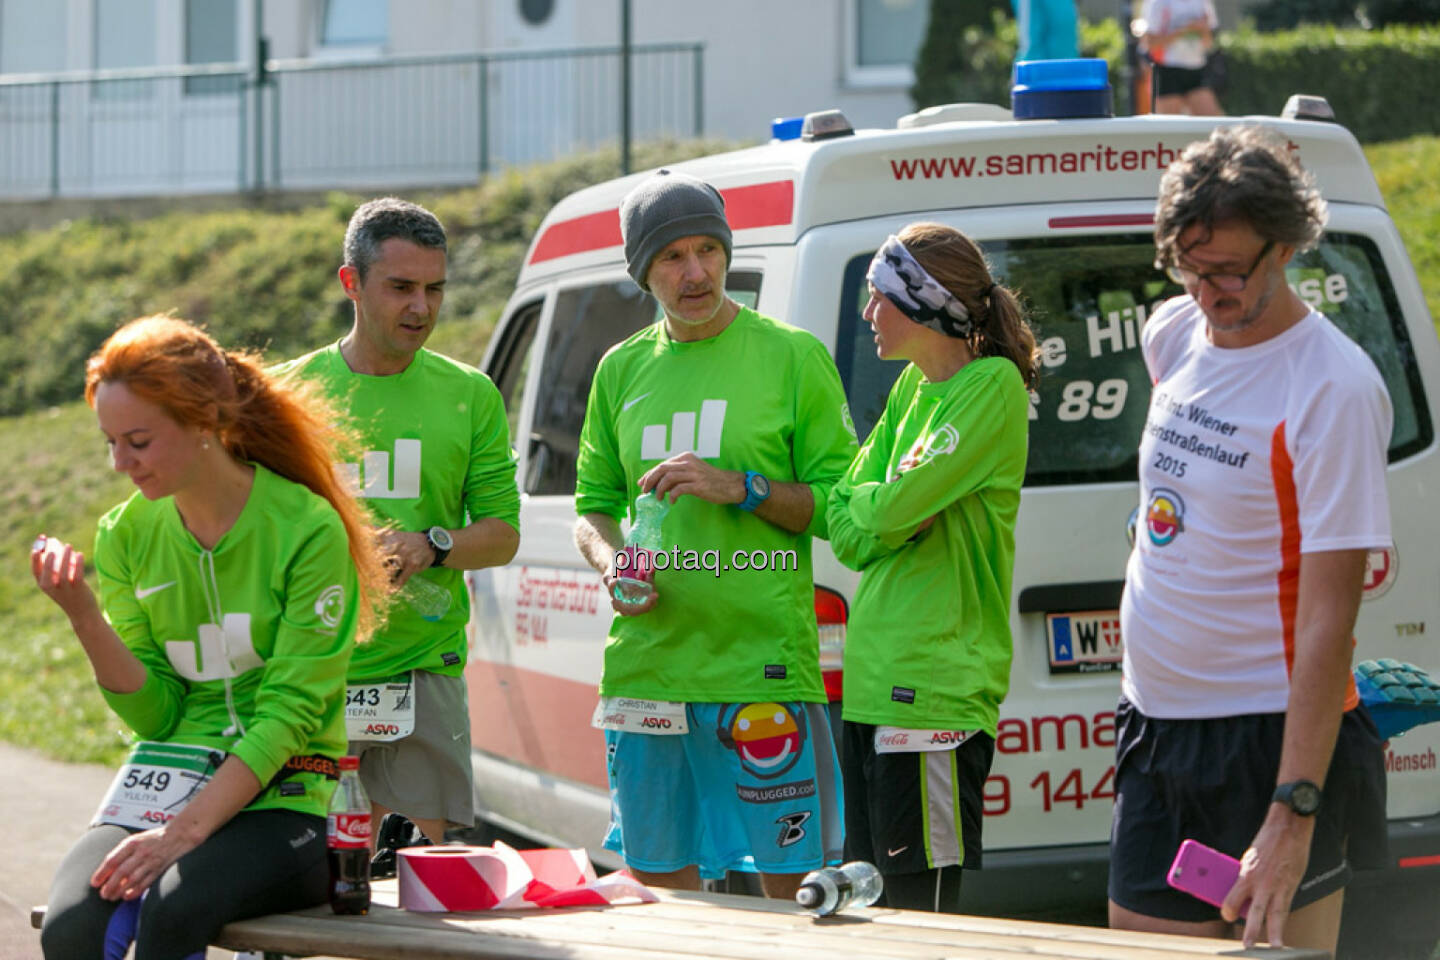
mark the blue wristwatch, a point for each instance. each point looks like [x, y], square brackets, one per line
[757, 491]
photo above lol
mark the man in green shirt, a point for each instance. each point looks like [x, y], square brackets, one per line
[738, 421]
[439, 476]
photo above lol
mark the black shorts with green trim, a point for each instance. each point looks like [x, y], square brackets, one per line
[908, 812]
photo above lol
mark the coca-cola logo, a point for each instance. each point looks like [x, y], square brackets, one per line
[614, 720]
[348, 829]
[894, 739]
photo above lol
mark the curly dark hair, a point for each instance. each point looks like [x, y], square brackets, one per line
[1243, 173]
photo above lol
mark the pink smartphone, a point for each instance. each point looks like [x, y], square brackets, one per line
[1202, 872]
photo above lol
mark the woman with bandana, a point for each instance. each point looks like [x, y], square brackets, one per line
[927, 514]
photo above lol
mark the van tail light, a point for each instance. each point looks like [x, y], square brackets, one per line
[831, 612]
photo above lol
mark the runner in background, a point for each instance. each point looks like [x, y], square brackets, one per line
[438, 474]
[229, 606]
[740, 422]
[927, 514]
[1049, 29]
[1179, 38]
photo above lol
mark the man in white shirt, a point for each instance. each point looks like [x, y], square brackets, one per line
[1262, 485]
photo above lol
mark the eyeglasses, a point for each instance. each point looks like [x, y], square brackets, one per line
[1224, 282]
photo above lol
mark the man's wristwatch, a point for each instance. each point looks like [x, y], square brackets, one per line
[1301, 796]
[441, 542]
[757, 491]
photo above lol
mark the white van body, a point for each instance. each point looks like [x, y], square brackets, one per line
[1064, 210]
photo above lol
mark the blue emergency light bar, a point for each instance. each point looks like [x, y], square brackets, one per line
[1061, 89]
[786, 128]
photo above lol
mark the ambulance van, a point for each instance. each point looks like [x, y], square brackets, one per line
[1063, 209]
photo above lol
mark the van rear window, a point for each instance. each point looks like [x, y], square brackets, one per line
[1088, 299]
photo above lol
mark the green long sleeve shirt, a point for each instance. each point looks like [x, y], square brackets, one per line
[244, 646]
[928, 641]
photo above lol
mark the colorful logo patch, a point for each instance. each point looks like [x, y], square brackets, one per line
[1164, 516]
[767, 737]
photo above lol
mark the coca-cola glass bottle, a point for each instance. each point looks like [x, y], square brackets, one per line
[347, 839]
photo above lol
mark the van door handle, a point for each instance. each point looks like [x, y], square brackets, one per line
[1072, 597]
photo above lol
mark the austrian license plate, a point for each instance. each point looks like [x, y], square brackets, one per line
[1084, 642]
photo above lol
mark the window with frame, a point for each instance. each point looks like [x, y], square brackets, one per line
[510, 364]
[354, 23]
[883, 39]
[212, 35]
[1088, 298]
[32, 36]
[588, 321]
[124, 37]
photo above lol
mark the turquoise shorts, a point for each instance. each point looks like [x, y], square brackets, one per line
[752, 787]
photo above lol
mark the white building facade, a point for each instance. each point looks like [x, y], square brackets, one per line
[376, 92]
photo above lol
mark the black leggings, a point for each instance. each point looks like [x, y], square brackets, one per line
[262, 861]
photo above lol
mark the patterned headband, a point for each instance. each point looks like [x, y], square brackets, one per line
[919, 296]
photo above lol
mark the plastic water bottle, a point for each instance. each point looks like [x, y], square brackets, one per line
[832, 889]
[635, 565]
[426, 597]
[347, 841]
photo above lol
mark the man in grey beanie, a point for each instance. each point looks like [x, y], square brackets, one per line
[738, 422]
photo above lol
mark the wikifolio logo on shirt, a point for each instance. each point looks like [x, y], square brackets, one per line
[330, 605]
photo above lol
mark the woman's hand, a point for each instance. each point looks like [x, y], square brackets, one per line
[139, 861]
[59, 571]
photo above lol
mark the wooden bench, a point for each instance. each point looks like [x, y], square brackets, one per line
[685, 926]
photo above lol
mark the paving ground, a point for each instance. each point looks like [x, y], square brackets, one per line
[44, 806]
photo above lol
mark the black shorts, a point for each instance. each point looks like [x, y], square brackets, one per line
[908, 812]
[1177, 81]
[1210, 780]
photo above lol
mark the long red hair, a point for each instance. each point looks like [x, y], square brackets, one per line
[288, 427]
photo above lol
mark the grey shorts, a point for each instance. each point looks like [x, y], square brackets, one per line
[426, 775]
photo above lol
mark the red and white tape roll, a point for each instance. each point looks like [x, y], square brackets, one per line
[456, 877]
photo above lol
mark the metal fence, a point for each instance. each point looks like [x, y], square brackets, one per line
[307, 124]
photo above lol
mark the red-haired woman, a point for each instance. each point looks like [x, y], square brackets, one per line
[232, 589]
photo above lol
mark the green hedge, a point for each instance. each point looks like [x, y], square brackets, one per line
[1382, 84]
[260, 278]
[961, 62]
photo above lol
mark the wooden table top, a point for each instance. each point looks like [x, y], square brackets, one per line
[684, 926]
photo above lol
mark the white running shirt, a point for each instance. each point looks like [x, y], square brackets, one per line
[1250, 457]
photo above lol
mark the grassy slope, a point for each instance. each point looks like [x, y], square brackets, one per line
[57, 480]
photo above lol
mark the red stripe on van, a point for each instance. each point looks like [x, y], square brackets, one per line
[1431, 861]
[761, 205]
[1104, 220]
[758, 205]
[594, 231]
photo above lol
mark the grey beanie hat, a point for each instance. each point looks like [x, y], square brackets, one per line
[664, 208]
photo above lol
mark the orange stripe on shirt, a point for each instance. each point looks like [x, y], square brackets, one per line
[1282, 471]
